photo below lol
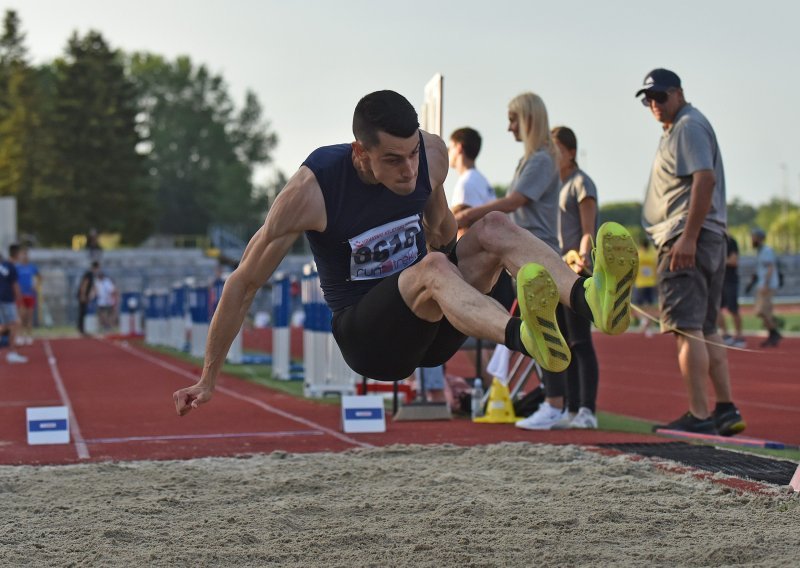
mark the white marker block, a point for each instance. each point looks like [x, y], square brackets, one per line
[363, 414]
[48, 425]
[795, 482]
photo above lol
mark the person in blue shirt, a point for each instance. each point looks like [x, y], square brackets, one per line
[402, 293]
[29, 282]
[766, 283]
[10, 296]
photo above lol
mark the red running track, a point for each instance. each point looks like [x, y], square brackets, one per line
[120, 395]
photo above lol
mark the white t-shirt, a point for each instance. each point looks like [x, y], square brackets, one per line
[472, 189]
[104, 288]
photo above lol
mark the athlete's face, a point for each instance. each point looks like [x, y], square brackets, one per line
[394, 162]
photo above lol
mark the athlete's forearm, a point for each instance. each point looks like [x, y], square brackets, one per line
[225, 325]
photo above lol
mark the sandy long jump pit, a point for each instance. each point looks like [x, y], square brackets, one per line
[499, 505]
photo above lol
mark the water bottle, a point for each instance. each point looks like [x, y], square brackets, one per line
[477, 399]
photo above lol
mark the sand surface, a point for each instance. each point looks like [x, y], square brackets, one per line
[502, 505]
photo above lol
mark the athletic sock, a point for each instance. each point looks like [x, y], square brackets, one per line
[577, 300]
[723, 406]
[513, 338]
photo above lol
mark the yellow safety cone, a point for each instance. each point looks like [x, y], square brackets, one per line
[499, 409]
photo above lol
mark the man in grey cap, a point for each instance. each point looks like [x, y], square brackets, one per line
[684, 213]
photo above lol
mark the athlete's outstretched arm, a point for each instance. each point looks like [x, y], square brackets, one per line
[299, 207]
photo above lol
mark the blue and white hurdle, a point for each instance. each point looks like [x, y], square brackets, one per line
[325, 369]
[178, 301]
[281, 335]
[155, 326]
[198, 308]
[130, 314]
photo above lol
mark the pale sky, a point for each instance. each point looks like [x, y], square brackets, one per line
[309, 62]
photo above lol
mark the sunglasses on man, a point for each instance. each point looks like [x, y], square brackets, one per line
[658, 96]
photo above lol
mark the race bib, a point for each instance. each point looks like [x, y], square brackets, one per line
[384, 250]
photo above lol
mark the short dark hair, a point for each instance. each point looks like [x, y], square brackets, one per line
[13, 249]
[470, 141]
[383, 111]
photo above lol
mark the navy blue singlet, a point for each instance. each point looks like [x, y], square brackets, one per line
[371, 233]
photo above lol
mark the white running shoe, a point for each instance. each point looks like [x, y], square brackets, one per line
[29, 340]
[14, 357]
[565, 422]
[19, 341]
[543, 419]
[585, 419]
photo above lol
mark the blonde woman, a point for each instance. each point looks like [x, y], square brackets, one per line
[532, 203]
[532, 198]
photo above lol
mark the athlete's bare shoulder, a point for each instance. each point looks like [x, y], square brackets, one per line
[299, 207]
[436, 153]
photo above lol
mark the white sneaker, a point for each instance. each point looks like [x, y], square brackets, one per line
[543, 419]
[565, 422]
[585, 419]
[15, 357]
[29, 340]
[19, 341]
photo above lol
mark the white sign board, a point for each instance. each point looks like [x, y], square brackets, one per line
[431, 115]
[363, 414]
[48, 425]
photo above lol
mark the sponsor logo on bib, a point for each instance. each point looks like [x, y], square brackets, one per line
[384, 250]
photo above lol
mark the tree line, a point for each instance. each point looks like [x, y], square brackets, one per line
[134, 144]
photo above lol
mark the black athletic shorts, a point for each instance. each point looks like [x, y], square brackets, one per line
[730, 295]
[381, 338]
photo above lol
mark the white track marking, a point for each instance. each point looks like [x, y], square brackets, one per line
[284, 434]
[80, 443]
[239, 396]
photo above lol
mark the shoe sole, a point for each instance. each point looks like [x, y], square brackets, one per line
[538, 298]
[733, 429]
[616, 266]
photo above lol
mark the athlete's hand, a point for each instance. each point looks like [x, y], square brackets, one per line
[190, 397]
[682, 253]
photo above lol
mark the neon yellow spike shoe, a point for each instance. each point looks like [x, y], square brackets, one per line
[608, 291]
[537, 295]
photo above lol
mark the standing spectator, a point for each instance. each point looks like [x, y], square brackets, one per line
[684, 213]
[766, 282]
[472, 189]
[644, 291]
[532, 202]
[577, 206]
[10, 296]
[106, 294]
[730, 296]
[29, 283]
[93, 245]
[86, 293]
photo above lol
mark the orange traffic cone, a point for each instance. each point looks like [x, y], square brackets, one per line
[499, 409]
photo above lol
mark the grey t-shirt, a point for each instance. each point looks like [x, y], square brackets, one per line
[688, 146]
[574, 189]
[537, 179]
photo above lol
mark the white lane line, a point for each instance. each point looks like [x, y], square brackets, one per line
[206, 436]
[26, 403]
[80, 443]
[234, 394]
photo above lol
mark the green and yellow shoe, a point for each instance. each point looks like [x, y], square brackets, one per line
[608, 291]
[537, 295]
